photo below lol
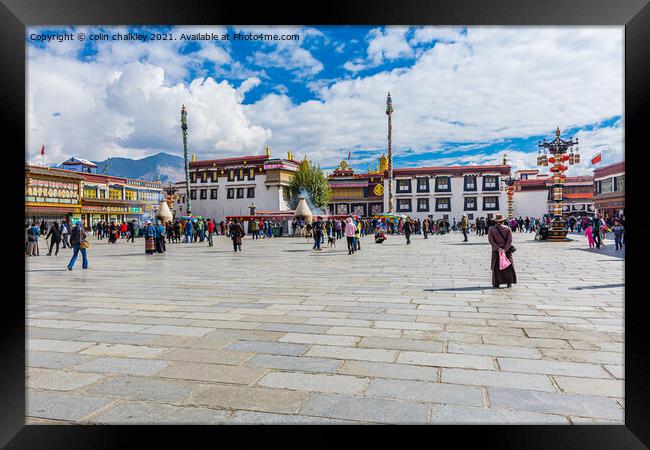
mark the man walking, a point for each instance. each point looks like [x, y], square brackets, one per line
[464, 225]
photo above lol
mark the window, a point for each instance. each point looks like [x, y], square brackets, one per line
[250, 193]
[193, 194]
[240, 192]
[90, 192]
[240, 175]
[192, 177]
[251, 174]
[404, 186]
[204, 194]
[231, 175]
[470, 204]
[404, 204]
[443, 184]
[213, 176]
[423, 204]
[204, 177]
[230, 193]
[131, 195]
[182, 199]
[490, 183]
[490, 203]
[605, 186]
[213, 194]
[470, 216]
[443, 204]
[470, 183]
[423, 184]
[102, 193]
[115, 193]
[524, 176]
[620, 183]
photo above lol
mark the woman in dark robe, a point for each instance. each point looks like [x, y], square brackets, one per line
[500, 236]
[236, 233]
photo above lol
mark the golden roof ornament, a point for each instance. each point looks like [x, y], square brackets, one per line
[268, 151]
[383, 163]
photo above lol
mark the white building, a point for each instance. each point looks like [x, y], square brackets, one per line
[532, 195]
[448, 192]
[231, 186]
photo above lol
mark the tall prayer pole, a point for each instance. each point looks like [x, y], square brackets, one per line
[389, 112]
[187, 164]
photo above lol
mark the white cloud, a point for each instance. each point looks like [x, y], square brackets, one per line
[486, 85]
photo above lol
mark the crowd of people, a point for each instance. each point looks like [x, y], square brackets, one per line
[499, 232]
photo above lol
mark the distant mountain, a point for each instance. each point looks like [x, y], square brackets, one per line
[168, 167]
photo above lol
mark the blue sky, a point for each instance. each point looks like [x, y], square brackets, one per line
[461, 95]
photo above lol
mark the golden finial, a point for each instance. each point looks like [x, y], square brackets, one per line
[383, 163]
[268, 151]
[193, 157]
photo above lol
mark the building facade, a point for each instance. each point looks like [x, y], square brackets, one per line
[448, 192]
[51, 194]
[533, 195]
[59, 194]
[609, 190]
[109, 198]
[231, 186]
[357, 193]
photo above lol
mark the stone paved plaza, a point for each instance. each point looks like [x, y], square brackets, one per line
[282, 334]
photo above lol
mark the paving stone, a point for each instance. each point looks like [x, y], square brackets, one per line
[128, 366]
[294, 328]
[519, 341]
[54, 360]
[59, 380]
[425, 392]
[50, 345]
[301, 363]
[400, 344]
[551, 367]
[153, 413]
[583, 356]
[363, 354]
[142, 388]
[388, 370]
[176, 331]
[116, 338]
[465, 415]
[591, 386]
[300, 381]
[211, 372]
[538, 320]
[271, 348]
[207, 342]
[301, 338]
[60, 334]
[206, 356]
[493, 350]
[248, 398]
[245, 335]
[119, 327]
[62, 406]
[261, 418]
[515, 380]
[376, 410]
[446, 360]
[617, 371]
[124, 350]
[555, 403]
[357, 331]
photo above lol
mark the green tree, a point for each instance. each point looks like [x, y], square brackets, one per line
[311, 179]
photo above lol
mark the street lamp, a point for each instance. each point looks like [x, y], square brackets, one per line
[561, 153]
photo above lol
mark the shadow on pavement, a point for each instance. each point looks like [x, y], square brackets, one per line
[469, 288]
[600, 286]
